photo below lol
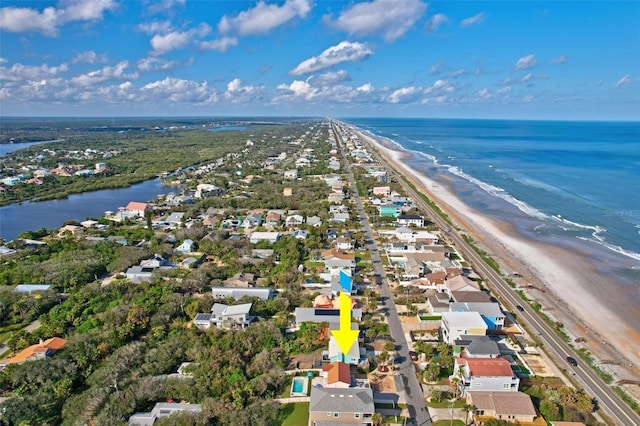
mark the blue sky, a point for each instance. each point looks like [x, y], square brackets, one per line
[400, 58]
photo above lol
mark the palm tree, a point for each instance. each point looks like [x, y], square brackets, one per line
[377, 419]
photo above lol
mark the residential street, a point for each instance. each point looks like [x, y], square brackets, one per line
[412, 389]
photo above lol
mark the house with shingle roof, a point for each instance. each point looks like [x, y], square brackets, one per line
[514, 407]
[332, 406]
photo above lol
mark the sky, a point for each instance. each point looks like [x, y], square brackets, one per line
[380, 58]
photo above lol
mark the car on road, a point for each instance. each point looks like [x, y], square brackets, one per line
[520, 308]
[572, 361]
[413, 356]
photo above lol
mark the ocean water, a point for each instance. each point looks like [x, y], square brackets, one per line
[575, 184]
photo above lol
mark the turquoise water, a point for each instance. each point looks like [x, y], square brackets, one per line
[297, 386]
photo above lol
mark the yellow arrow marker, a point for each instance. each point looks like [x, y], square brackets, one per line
[345, 337]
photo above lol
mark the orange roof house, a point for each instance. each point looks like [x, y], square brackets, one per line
[487, 374]
[138, 208]
[336, 254]
[38, 351]
[337, 375]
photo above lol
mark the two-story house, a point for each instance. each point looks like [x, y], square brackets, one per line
[224, 316]
[410, 219]
[487, 374]
[334, 406]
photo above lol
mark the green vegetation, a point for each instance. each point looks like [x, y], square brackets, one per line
[561, 403]
[293, 414]
[488, 259]
[630, 401]
[455, 422]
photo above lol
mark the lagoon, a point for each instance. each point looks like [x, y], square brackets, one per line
[6, 148]
[28, 216]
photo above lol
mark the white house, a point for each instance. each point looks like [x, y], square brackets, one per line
[186, 247]
[343, 243]
[410, 219]
[457, 324]
[383, 191]
[271, 237]
[314, 221]
[404, 234]
[238, 293]
[294, 220]
[224, 316]
[486, 374]
[162, 409]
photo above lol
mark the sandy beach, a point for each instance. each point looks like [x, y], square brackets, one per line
[575, 292]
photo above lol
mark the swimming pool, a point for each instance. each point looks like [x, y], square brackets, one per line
[299, 386]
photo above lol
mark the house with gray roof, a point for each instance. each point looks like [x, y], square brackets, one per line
[335, 406]
[490, 312]
[31, 288]
[476, 347]
[162, 409]
[225, 316]
[236, 293]
[329, 315]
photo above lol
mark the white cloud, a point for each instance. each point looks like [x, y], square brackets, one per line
[116, 72]
[389, 19]
[526, 62]
[484, 93]
[329, 78]
[325, 90]
[405, 94]
[263, 18]
[156, 27]
[179, 90]
[434, 23]
[529, 77]
[152, 64]
[365, 88]
[624, 80]
[47, 21]
[221, 44]
[457, 73]
[473, 20]
[89, 57]
[3, 60]
[164, 5]
[438, 68]
[559, 60]
[439, 86]
[163, 43]
[237, 93]
[20, 73]
[342, 52]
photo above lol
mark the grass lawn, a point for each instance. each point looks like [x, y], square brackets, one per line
[446, 404]
[5, 332]
[456, 422]
[294, 414]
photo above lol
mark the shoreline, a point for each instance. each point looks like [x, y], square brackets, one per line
[575, 288]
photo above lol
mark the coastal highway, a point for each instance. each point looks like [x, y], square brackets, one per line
[412, 389]
[607, 399]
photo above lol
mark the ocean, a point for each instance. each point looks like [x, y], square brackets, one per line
[575, 184]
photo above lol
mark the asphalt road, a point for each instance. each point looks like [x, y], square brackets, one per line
[607, 400]
[412, 389]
